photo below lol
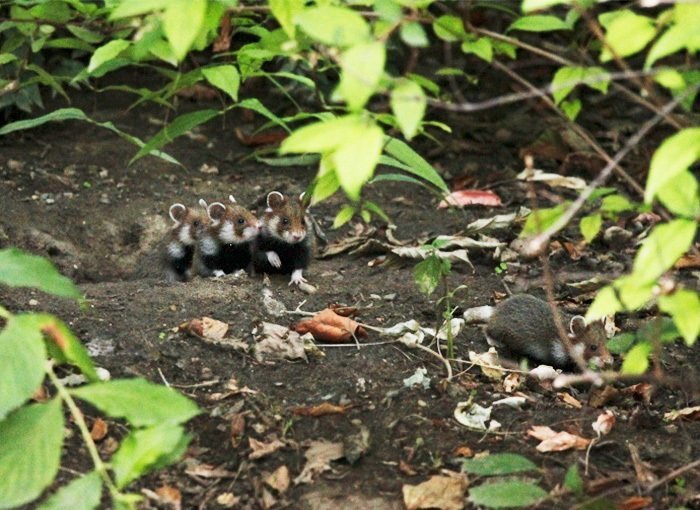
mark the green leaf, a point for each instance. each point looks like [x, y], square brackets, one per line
[412, 33]
[615, 204]
[140, 402]
[304, 160]
[30, 451]
[127, 8]
[85, 35]
[675, 155]
[344, 215]
[627, 34]
[21, 269]
[670, 79]
[55, 11]
[64, 347]
[147, 449]
[539, 23]
[659, 329]
[408, 103]
[255, 105]
[82, 493]
[664, 246]
[225, 78]
[481, 47]
[573, 480]
[356, 159]
[415, 164]
[620, 344]
[498, 464]
[538, 5]
[178, 127]
[362, 67]
[684, 306]
[449, 28]
[182, 21]
[605, 303]
[335, 26]
[680, 195]
[683, 34]
[23, 356]
[571, 108]
[106, 53]
[285, 11]
[325, 186]
[564, 81]
[428, 274]
[322, 136]
[637, 360]
[590, 226]
[541, 219]
[509, 494]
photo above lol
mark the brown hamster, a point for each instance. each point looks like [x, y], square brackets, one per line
[524, 325]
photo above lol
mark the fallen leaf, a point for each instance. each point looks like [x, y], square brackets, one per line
[463, 451]
[552, 441]
[206, 327]
[328, 326]
[441, 492]
[279, 479]
[464, 197]
[604, 423]
[356, 445]
[267, 500]
[227, 499]
[569, 400]
[640, 391]
[320, 410]
[209, 471]
[645, 476]
[554, 180]
[688, 261]
[512, 382]
[275, 342]
[635, 503]
[488, 362]
[265, 138]
[99, 429]
[237, 428]
[687, 413]
[472, 416]
[169, 495]
[406, 468]
[319, 455]
[209, 169]
[600, 396]
[261, 449]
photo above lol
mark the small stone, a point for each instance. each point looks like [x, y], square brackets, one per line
[70, 170]
[33, 302]
[13, 164]
[104, 173]
[104, 199]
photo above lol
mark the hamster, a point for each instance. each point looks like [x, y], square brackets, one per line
[226, 246]
[178, 255]
[524, 325]
[283, 244]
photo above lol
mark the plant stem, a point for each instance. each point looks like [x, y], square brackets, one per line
[77, 414]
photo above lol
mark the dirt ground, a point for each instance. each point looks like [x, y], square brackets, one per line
[67, 193]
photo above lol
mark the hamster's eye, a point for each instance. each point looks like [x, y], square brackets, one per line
[241, 221]
[594, 348]
[196, 223]
[285, 221]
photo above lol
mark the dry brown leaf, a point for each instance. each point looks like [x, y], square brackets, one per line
[266, 138]
[604, 423]
[99, 429]
[635, 503]
[318, 459]
[328, 326]
[687, 413]
[464, 451]
[645, 476]
[600, 396]
[442, 492]
[640, 391]
[512, 382]
[206, 327]
[261, 449]
[237, 428]
[406, 468]
[169, 495]
[227, 500]
[569, 400]
[688, 261]
[209, 471]
[552, 441]
[464, 197]
[275, 342]
[279, 480]
[320, 410]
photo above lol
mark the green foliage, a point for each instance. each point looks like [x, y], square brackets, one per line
[498, 464]
[573, 481]
[508, 494]
[541, 219]
[430, 272]
[31, 435]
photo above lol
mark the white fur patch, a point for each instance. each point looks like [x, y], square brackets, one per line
[208, 246]
[227, 233]
[185, 235]
[559, 353]
[175, 250]
[289, 236]
[492, 341]
[273, 258]
[250, 232]
[297, 277]
[272, 225]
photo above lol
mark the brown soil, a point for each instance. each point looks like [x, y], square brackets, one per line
[68, 194]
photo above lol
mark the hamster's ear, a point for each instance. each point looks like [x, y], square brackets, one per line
[577, 325]
[216, 211]
[275, 199]
[203, 204]
[177, 212]
[304, 200]
[231, 199]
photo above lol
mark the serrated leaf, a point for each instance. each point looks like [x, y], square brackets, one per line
[225, 78]
[637, 360]
[509, 494]
[344, 215]
[30, 451]
[147, 449]
[106, 53]
[684, 306]
[21, 269]
[140, 402]
[285, 11]
[336, 26]
[182, 21]
[82, 493]
[498, 464]
[627, 34]
[356, 159]
[675, 155]
[408, 103]
[127, 8]
[449, 28]
[22, 356]
[362, 66]
[539, 23]
[415, 164]
[590, 226]
[662, 248]
[178, 127]
[413, 34]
